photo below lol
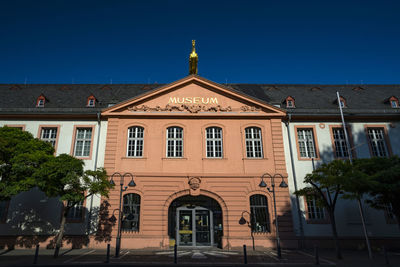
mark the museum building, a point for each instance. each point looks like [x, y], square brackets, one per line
[197, 163]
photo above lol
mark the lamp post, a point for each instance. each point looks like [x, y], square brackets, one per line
[122, 189]
[244, 221]
[281, 185]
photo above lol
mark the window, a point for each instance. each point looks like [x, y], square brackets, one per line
[4, 210]
[259, 214]
[390, 217]
[83, 142]
[376, 137]
[314, 212]
[214, 142]
[75, 212]
[91, 102]
[253, 142]
[49, 135]
[174, 142]
[340, 146]
[290, 102]
[135, 141]
[305, 138]
[394, 102]
[40, 103]
[131, 212]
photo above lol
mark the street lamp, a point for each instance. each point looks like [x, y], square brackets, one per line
[281, 185]
[122, 189]
[244, 221]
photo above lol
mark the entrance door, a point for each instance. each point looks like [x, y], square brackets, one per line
[194, 227]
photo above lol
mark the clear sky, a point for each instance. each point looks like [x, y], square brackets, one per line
[324, 41]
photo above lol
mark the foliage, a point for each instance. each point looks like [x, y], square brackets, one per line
[384, 185]
[326, 184]
[20, 157]
[63, 177]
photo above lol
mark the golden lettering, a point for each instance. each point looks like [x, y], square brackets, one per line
[196, 100]
[204, 102]
[213, 100]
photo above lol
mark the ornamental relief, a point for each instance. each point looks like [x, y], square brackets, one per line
[192, 108]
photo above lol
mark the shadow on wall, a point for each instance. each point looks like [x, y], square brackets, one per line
[349, 215]
[37, 222]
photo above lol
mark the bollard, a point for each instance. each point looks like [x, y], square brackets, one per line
[244, 254]
[108, 254]
[385, 255]
[36, 254]
[175, 254]
[316, 255]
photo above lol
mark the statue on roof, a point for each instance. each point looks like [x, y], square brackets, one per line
[193, 59]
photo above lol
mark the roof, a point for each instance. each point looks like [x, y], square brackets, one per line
[309, 98]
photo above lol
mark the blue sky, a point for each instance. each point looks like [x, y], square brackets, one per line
[326, 42]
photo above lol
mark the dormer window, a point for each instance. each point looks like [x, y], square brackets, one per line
[342, 102]
[394, 102]
[290, 102]
[40, 101]
[91, 102]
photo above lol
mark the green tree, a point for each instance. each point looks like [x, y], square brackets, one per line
[325, 185]
[384, 182]
[63, 177]
[20, 157]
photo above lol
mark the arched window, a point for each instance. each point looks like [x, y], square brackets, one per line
[259, 214]
[131, 212]
[253, 142]
[214, 142]
[135, 141]
[174, 142]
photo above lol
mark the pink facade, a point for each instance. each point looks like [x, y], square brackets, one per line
[192, 149]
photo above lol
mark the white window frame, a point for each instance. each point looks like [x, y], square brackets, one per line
[84, 141]
[313, 211]
[175, 153]
[253, 142]
[51, 139]
[76, 212]
[341, 149]
[289, 103]
[40, 103]
[213, 142]
[310, 151]
[91, 102]
[394, 104]
[135, 142]
[377, 141]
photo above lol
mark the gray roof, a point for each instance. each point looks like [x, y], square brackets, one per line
[309, 98]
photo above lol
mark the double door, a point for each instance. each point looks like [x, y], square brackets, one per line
[194, 227]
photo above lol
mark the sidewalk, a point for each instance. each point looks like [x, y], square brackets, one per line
[190, 257]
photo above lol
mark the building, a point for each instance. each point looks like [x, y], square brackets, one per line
[190, 157]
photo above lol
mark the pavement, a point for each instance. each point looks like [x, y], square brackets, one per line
[194, 256]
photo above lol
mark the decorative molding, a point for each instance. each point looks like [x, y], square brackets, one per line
[194, 183]
[191, 108]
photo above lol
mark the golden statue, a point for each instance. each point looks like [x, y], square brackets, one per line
[193, 59]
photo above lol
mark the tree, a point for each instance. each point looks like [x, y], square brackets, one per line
[63, 177]
[20, 157]
[384, 186]
[326, 184]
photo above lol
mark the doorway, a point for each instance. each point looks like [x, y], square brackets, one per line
[195, 222]
[195, 227]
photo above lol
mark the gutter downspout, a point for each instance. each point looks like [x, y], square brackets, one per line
[88, 230]
[295, 182]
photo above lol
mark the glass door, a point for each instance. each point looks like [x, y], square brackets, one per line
[203, 225]
[185, 229]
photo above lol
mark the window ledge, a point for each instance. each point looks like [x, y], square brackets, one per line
[136, 158]
[214, 158]
[174, 158]
[254, 158]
